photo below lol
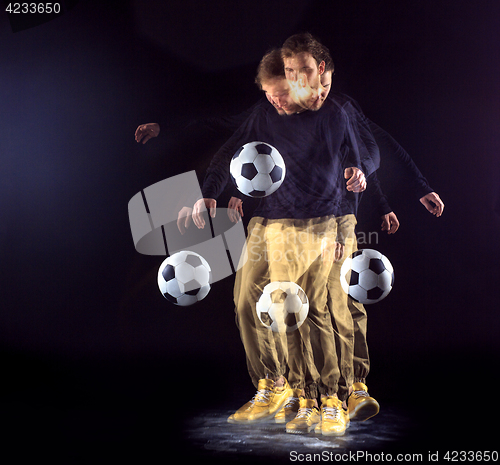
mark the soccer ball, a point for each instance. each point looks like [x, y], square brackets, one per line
[283, 306]
[184, 278]
[257, 169]
[367, 276]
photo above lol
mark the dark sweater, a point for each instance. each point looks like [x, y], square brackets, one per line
[316, 147]
[391, 153]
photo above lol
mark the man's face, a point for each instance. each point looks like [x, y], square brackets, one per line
[278, 93]
[275, 105]
[302, 68]
[326, 83]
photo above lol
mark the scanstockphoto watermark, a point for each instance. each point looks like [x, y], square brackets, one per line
[367, 238]
[355, 456]
[367, 457]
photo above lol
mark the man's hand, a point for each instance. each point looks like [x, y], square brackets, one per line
[146, 131]
[339, 251]
[235, 209]
[184, 219]
[331, 250]
[201, 206]
[356, 179]
[433, 203]
[390, 223]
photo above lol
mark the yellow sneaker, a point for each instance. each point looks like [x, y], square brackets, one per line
[290, 409]
[265, 404]
[360, 405]
[334, 419]
[306, 420]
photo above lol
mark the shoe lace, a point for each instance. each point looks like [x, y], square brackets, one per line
[331, 413]
[361, 393]
[261, 396]
[290, 401]
[304, 412]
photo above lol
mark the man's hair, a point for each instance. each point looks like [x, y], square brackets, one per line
[306, 42]
[329, 66]
[270, 67]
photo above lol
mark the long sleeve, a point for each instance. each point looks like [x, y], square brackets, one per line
[391, 151]
[364, 152]
[378, 198]
[217, 174]
[230, 123]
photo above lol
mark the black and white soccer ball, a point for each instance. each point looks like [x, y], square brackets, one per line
[367, 276]
[283, 306]
[184, 278]
[257, 169]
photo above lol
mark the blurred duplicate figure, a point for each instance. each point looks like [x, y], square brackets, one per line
[321, 150]
[305, 59]
[277, 89]
[345, 235]
[307, 92]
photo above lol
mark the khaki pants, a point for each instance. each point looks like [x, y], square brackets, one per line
[298, 251]
[349, 317]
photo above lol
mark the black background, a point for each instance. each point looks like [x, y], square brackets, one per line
[91, 353]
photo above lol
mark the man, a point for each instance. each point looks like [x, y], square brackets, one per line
[278, 92]
[346, 223]
[313, 145]
[362, 406]
[317, 77]
[307, 58]
[302, 56]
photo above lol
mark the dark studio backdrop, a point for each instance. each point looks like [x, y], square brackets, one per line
[91, 353]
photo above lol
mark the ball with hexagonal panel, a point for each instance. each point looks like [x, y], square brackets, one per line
[184, 278]
[367, 276]
[283, 306]
[257, 169]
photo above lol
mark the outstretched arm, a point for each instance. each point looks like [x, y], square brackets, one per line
[391, 151]
[390, 147]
